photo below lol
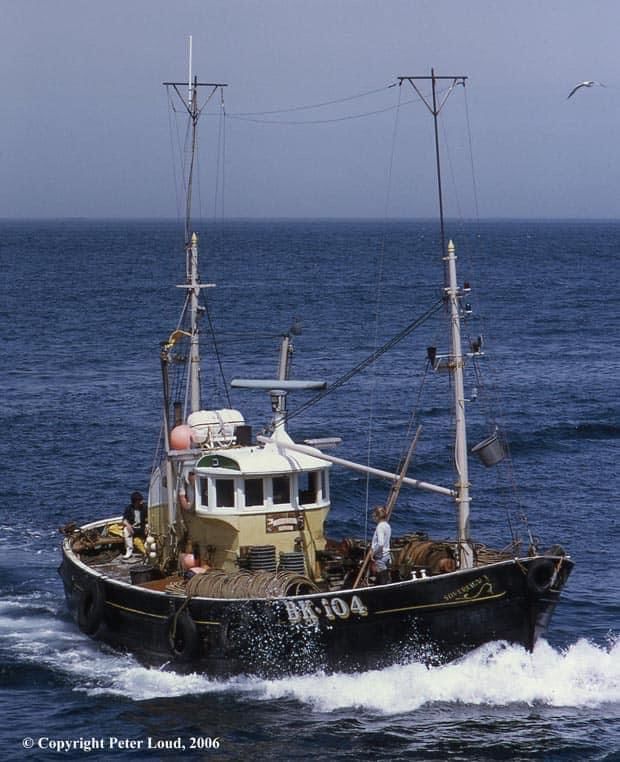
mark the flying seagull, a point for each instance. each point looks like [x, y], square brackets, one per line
[587, 83]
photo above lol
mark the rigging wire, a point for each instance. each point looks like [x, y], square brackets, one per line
[332, 120]
[217, 353]
[369, 360]
[186, 165]
[176, 152]
[246, 115]
[221, 155]
[413, 418]
[198, 174]
[471, 158]
[447, 152]
[220, 167]
[320, 105]
[495, 407]
[378, 305]
[174, 164]
[494, 414]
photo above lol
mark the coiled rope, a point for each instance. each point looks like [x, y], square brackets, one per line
[245, 584]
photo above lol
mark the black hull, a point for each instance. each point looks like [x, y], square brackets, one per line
[435, 619]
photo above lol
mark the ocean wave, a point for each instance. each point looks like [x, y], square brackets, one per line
[596, 430]
[583, 675]
[563, 435]
[495, 674]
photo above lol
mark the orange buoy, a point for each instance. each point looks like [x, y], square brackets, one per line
[180, 437]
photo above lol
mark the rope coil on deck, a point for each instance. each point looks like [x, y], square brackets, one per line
[436, 556]
[244, 584]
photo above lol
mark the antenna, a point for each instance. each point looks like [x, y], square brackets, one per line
[189, 74]
[435, 107]
[194, 110]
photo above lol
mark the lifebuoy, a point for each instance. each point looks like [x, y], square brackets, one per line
[90, 606]
[541, 575]
[183, 637]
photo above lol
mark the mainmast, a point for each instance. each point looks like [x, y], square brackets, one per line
[192, 278]
[452, 295]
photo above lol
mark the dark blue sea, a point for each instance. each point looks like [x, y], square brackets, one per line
[84, 306]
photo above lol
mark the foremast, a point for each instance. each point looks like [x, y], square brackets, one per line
[193, 290]
[452, 296]
[453, 293]
[192, 283]
[182, 396]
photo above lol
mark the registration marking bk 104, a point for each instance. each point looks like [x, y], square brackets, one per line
[312, 611]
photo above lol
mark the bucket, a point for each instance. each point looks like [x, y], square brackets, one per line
[490, 450]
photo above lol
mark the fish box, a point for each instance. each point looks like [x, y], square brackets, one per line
[141, 574]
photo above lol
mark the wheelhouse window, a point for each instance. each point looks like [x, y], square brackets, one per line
[254, 495]
[225, 493]
[281, 489]
[309, 487]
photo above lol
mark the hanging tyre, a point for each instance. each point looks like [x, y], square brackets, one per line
[90, 606]
[541, 575]
[183, 637]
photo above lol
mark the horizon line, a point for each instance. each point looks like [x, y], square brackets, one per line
[287, 218]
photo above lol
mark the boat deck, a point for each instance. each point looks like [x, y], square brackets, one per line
[121, 570]
[172, 584]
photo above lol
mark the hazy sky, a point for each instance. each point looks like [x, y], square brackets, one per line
[86, 131]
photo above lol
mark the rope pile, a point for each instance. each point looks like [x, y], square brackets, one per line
[245, 584]
[85, 540]
[429, 554]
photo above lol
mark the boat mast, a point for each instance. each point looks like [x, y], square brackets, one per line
[452, 295]
[192, 277]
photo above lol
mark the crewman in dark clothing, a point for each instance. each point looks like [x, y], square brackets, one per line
[135, 518]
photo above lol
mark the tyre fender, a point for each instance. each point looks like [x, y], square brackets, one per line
[90, 606]
[541, 575]
[183, 638]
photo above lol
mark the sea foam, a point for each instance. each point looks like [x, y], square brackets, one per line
[497, 674]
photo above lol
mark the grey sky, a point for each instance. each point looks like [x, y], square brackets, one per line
[85, 126]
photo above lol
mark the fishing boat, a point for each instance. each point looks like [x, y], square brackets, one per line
[235, 571]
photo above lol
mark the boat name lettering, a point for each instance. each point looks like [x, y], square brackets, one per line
[310, 612]
[472, 590]
[287, 521]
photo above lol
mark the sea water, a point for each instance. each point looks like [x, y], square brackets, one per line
[84, 307]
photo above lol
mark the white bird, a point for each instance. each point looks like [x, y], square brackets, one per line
[587, 83]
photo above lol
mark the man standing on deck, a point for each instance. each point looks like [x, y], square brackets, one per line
[381, 546]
